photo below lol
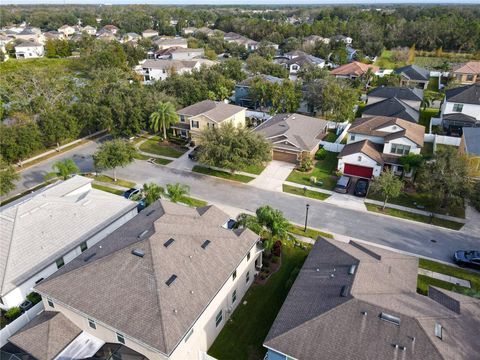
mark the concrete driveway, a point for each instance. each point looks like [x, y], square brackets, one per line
[183, 162]
[273, 176]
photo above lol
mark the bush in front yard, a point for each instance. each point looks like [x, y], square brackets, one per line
[306, 163]
[13, 313]
[321, 154]
[34, 297]
[475, 196]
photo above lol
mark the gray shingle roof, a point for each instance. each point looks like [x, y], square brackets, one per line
[304, 132]
[129, 293]
[414, 72]
[472, 140]
[215, 110]
[402, 93]
[469, 94]
[46, 335]
[392, 107]
[168, 64]
[316, 322]
[58, 220]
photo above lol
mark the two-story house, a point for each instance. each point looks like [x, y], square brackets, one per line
[243, 96]
[249, 44]
[66, 30]
[377, 142]
[90, 30]
[46, 230]
[461, 108]
[162, 286]
[413, 76]
[154, 70]
[392, 107]
[29, 50]
[468, 73]
[207, 114]
[412, 97]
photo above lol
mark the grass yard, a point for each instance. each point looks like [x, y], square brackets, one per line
[109, 180]
[308, 193]
[427, 150]
[323, 171]
[153, 146]
[108, 189]
[255, 169]
[312, 234]
[423, 281]
[222, 174]
[13, 65]
[408, 200]
[331, 135]
[245, 331]
[415, 217]
[386, 61]
[18, 196]
[190, 201]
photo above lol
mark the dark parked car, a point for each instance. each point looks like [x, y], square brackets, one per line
[361, 188]
[130, 192]
[343, 184]
[193, 155]
[467, 258]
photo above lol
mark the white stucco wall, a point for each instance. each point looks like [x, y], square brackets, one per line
[364, 161]
[29, 52]
[402, 141]
[360, 137]
[468, 109]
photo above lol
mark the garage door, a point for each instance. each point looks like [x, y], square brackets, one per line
[283, 156]
[356, 170]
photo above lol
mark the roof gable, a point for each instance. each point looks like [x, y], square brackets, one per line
[392, 107]
[469, 94]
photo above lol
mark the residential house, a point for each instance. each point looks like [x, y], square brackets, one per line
[30, 34]
[149, 33]
[161, 286]
[468, 73]
[49, 228]
[131, 36]
[90, 30]
[207, 114]
[179, 53]
[461, 109]
[293, 134]
[54, 35]
[249, 44]
[470, 146]
[352, 70]
[412, 97]
[29, 50]
[342, 38]
[189, 31]
[314, 39]
[392, 107]
[413, 76]
[153, 70]
[66, 30]
[106, 35]
[356, 301]
[376, 143]
[243, 97]
[112, 28]
[297, 63]
[205, 30]
[171, 42]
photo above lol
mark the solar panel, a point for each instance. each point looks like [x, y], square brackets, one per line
[169, 242]
[205, 244]
[171, 279]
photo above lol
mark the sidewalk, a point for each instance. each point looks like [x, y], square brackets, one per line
[443, 277]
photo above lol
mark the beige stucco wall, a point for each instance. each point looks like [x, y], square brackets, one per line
[238, 120]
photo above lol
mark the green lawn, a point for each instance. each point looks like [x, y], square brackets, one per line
[408, 200]
[424, 281]
[108, 189]
[323, 171]
[331, 135]
[308, 193]
[415, 217]
[221, 174]
[313, 234]
[119, 182]
[426, 115]
[193, 202]
[245, 331]
[386, 61]
[255, 169]
[427, 150]
[152, 146]
[25, 64]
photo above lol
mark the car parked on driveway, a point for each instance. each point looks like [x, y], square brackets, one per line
[193, 155]
[343, 184]
[361, 188]
[130, 193]
[467, 258]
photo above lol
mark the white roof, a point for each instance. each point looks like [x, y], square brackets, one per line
[38, 229]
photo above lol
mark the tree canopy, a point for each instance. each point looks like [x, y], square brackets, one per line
[112, 154]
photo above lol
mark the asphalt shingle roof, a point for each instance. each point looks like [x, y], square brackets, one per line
[354, 68]
[392, 107]
[129, 293]
[217, 111]
[469, 94]
[414, 72]
[472, 140]
[402, 93]
[168, 64]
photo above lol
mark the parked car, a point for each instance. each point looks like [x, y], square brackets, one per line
[130, 193]
[361, 188]
[343, 184]
[193, 155]
[467, 258]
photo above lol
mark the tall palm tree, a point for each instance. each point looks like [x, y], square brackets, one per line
[152, 193]
[176, 192]
[164, 116]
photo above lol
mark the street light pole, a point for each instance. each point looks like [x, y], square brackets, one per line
[306, 218]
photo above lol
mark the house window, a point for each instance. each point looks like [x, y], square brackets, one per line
[234, 296]
[352, 137]
[247, 277]
[188, 335]
[182, 118]
[234, 275]
[359, 158]
[83, 246]
[50, 303]
[92, 324]
[219, 318]
[248, 256]
[400, 149]
[470, 77]
[120, 338]
[195, 124]
[457, 107]
[60, 263]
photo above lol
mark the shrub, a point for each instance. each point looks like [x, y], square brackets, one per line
[475, 197]
[277, 249]
[275, 259]
[321, 154]
[313, 180]
[306, 163]
[13, 313]
[34, 297]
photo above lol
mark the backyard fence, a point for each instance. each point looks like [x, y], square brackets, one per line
[19, 322]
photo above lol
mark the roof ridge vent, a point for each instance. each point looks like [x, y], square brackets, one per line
[205, 244]
[138, 252]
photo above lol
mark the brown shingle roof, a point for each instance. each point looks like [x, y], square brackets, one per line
[371, 125]
[46, 335]
[471, 67]
[372, 150]
[214, 110]
[354, 68]
[129, 293]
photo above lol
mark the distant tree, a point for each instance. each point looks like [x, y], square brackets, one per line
[339, 99]
[311, 73]
[113, 154]
[260, 91]
[8, 176]
[266, 50]
[152, 192]
[64, 169]
[411, 55]
[233, 148]
[388, 185]
[314, 94]
[164, 116]
[285, 97]
[176, 192]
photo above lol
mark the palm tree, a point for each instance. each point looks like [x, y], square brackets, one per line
[176, 192]
[152, 193]
[64, 169]
[163, 117]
